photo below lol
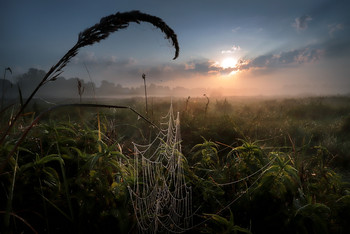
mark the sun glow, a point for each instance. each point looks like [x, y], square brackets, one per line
[229, 63]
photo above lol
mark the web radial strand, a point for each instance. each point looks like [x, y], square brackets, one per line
[161, 199]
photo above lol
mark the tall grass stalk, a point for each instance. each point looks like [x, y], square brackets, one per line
[3, 86]
[22, 219]
[65, 182]
[42, 114]
[95, 34]
[45, 208]
[81, 89]
[144, 82]
[98, 112]
[206, 105]
[187, 101]
[10, 197]
[20, 94]
[99, 131]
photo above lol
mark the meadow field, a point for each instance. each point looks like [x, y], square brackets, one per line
[252, 164]
[196, 164]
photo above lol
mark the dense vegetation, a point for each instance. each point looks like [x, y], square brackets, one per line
[255, 165]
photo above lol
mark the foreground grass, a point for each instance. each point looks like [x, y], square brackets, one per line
[255, 165]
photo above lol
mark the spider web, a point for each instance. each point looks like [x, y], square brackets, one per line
[161, 199]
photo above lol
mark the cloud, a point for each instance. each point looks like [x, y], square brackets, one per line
[205, 67]
[300, 56]
[283, 59]
[89, 58]
[201, 67]
[332, 28]
[301, 23]
[166, 72]
[233, 49]
[259, 30]
[236, 29]
[337, 47]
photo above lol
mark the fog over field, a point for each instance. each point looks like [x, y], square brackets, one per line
[226, 47]
[68, 88]
[188, 116]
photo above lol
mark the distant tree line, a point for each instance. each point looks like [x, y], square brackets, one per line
[68, 88]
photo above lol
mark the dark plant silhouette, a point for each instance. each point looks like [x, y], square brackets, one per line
[94, 34]
[3, 86]
[188, 99]
[206, 106]
[144, 82]
[81, 90]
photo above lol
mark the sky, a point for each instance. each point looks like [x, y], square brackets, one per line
[250, 47]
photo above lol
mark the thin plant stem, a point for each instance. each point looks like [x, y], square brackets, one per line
[188, 99]
[98, 112]
[45, 208]
[206, 106]
[37, 119]
[9, 201]
[144, 82]
[95, 34]
[81, 90]
[22, 219]
[66, 189]
[3, 86]
[99, 131]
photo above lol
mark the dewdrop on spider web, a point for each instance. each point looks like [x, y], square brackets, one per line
[161, 199]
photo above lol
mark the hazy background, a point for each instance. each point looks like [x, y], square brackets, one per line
[248, 47]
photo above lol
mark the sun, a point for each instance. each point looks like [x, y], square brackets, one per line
[229, 63]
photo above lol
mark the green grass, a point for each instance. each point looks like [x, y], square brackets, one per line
[258, 165]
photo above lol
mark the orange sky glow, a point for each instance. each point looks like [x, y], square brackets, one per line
[234, 49]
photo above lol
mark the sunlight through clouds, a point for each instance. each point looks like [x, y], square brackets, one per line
[229, 62]
[222, 39]
[233, 49]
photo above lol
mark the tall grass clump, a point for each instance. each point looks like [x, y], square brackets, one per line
[14, 153]
[95, 34]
